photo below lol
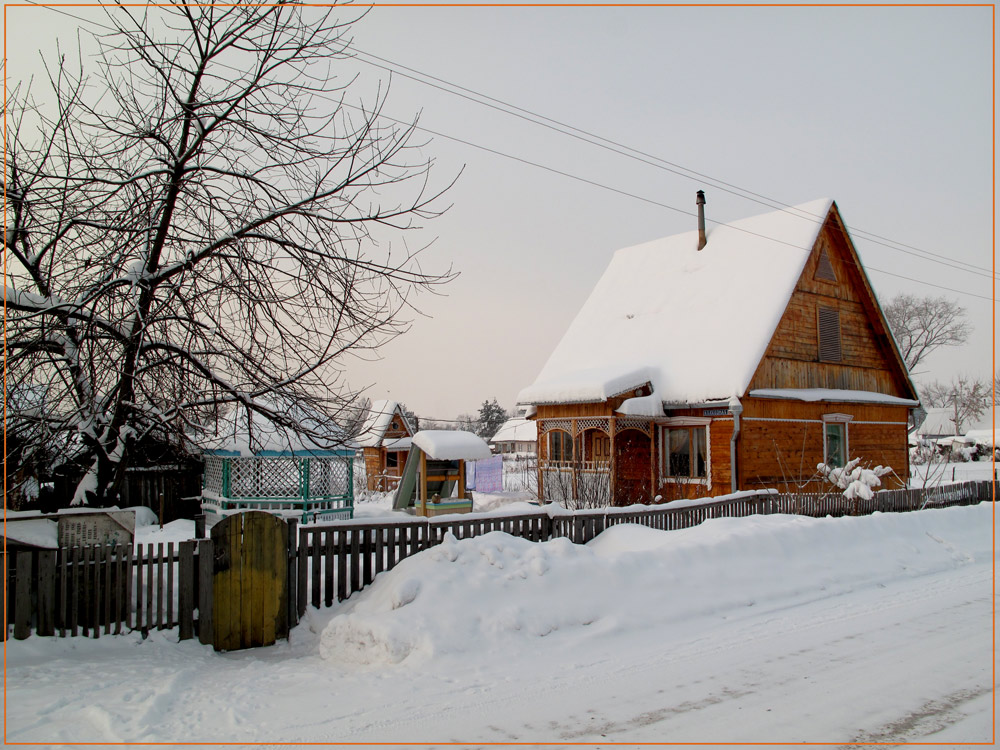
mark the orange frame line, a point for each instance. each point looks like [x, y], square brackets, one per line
[502, 5]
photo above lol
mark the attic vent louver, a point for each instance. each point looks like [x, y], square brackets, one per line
[829, 334]
[824, 269]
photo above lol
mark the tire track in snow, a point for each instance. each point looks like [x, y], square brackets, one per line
[822, 612]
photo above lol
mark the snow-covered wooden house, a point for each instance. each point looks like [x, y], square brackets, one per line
[703, 364]
[516, 436]
[385, 441]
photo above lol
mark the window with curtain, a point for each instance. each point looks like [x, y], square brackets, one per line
[685, 453]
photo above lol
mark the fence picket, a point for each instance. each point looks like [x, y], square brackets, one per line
[46, 592]
[22, 596]
[342, 591]
[331, 549]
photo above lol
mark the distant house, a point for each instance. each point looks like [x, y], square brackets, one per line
[385, 441]
[938, 423]
[706, 363]
[516, 436]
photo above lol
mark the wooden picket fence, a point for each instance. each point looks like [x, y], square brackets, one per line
[93, 590]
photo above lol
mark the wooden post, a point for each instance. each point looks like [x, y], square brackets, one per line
[185, 594]
[613, 478]
[199, 526]
[422, 483]
[292, 600]
[461, 479]
[573, 464]
[161, 510]
[205, 592]
[652, 462]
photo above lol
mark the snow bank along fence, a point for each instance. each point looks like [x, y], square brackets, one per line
[105, 590]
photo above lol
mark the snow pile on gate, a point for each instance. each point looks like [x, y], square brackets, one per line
[505, 595]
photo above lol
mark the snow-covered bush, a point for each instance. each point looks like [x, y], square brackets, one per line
[857, 481]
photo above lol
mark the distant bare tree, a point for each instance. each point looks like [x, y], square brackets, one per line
[966, 397]
[197, 227]
[923, 324]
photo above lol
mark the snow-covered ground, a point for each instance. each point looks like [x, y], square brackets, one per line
[766, 629]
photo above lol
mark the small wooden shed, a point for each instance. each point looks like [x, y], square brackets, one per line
[433, 480]
[385, 443]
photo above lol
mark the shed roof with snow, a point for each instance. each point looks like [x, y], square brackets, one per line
[451, 445]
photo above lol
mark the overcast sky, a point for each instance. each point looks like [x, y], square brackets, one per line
[887, 110]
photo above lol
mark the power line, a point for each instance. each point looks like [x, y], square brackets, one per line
[645, 158]
[783, 207]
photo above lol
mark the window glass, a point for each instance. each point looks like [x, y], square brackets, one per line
[700, 452]
[685, 452]
[680, 453]
[560, 446]
[835, 445]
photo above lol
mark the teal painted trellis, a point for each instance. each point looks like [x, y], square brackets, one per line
[314, 484]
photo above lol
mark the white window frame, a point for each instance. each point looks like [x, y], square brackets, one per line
[664, 459]
[842, 419]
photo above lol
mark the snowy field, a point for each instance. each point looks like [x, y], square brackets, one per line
[767, 629]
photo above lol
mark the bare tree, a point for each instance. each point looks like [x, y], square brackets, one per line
[966, 397]
[201, 226]
[923, 324]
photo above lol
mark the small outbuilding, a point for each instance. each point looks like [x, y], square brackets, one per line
[385, 444]
[258, 465]
[433, 480]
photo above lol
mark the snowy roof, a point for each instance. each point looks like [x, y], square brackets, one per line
[247, 433]
[33, 532]
[516, 430]
[698, 322]
[987, 436]
[377, 422]
[451, 445]
[399, 444]
[832, 394]
[939, 421]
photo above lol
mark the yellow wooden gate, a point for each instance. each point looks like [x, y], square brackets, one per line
[249, 581]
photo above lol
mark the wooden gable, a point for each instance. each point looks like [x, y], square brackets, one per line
[397, 427]
[833, 333]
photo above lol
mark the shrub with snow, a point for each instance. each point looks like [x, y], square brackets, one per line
[857, 481]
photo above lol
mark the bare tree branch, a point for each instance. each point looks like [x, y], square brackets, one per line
[197, 227]
[924, 324]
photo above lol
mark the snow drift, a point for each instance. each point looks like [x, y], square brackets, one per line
[501, 593]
